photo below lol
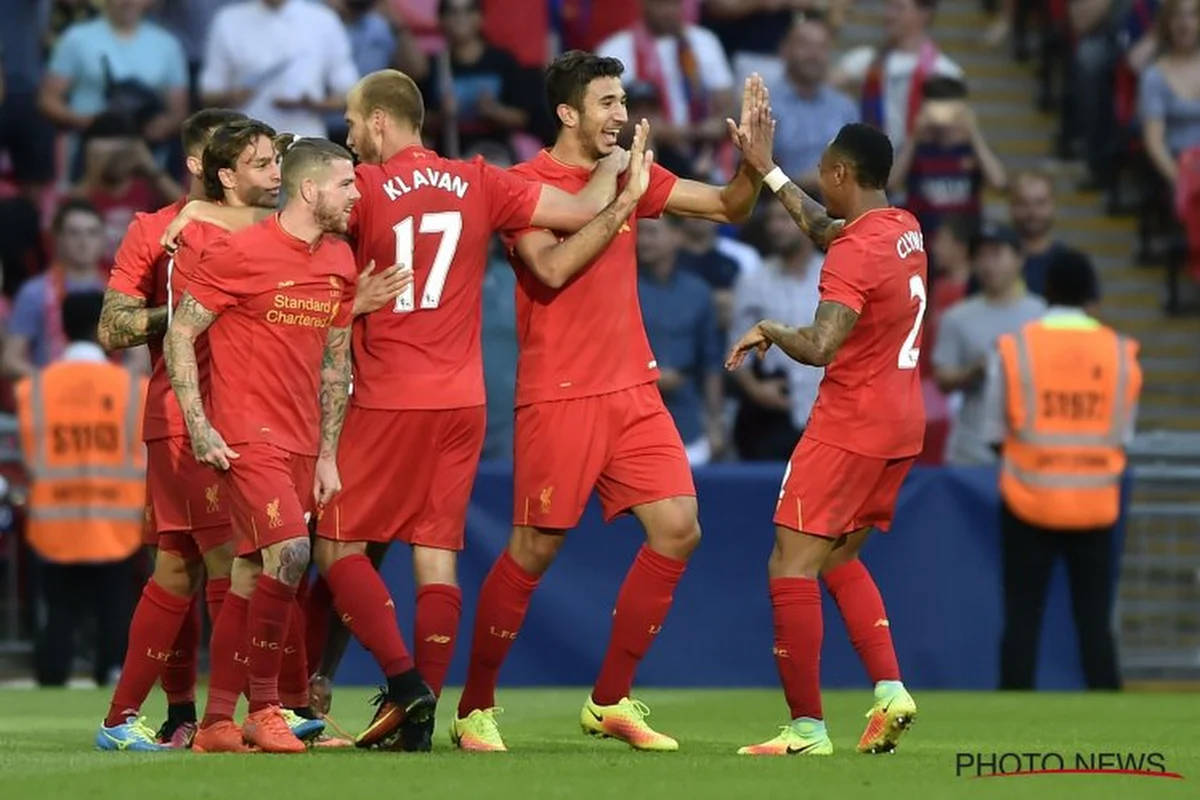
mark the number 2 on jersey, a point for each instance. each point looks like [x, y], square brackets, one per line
[449, 225]
[909, 353]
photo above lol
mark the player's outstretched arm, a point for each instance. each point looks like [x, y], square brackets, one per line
[555, 262]
[817, 344]
[127, 321]
[179, 352]
[228, 217]
[809, 214]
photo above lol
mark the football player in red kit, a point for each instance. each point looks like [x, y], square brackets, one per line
[135, 313]
[590, 416]
[865, 431]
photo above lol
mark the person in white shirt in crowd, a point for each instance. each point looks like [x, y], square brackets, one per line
[285, 62]
[967, 335]
[688, 67]
[777, 393]
[888, 78]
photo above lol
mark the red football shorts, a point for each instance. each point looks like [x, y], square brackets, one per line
[189, 512]
[270, 491]
[406, 475]
[624, 444]
[828, 491]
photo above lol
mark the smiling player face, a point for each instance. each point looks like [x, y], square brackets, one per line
[602, 116]
[336, 196]
[256, 177]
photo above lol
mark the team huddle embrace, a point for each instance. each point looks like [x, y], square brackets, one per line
[266, 457]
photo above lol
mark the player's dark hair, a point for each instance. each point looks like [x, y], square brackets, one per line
[393, 93]
[444, 6]
[199, 127]
[1070, 279]
[868, 151]
[225, 149]
[569, 75]
[81, 315]
[72, 205]
[304, 158]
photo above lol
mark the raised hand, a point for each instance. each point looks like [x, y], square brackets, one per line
[754, 339]
[755, 135]
[640, 162]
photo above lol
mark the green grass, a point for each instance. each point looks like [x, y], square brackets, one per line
[46, 752]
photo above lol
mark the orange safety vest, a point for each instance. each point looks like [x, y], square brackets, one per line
[1071, 387]
[81, 433]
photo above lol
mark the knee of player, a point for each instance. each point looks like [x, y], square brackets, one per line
[533, 550]
[290, 560]
[176, 575]
[432, 565]
[677, 535]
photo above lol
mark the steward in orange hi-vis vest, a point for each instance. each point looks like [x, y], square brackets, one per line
[1071, 385]
[80, 425]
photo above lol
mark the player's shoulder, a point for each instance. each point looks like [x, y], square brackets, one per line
[542, 166]
[883, 231]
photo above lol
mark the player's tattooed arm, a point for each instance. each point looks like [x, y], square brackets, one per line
[127, 321]
[810, 215]
[179, 353]
[335, 389]
[817, 344]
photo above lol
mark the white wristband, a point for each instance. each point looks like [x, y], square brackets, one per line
[776, 179]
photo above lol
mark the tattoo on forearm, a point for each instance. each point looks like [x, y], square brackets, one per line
[125, 321]
[335, 388]
[817, 344]
[179, 352]
[809, 215]
[293, 561]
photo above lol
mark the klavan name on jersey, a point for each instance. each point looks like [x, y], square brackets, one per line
[425, 178]
[910, 242]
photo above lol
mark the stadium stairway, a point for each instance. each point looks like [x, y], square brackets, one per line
[1158, 612]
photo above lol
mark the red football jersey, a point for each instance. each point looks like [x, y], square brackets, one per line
[276, 298]
[438, 216]
[587, 338]
[163, 416]
[870, 400]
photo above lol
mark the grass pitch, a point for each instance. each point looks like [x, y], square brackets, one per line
[46, 751]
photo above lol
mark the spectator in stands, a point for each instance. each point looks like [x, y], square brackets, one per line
[681, 324]
[285, 62]
[777, 393]
[1169, 94]
[189, 21]
[121, 177]
[25, 134]
[1088, 115]
[64, 14]
[891, 77]
[475, 90]
[687, 66]
[118, 63]
[379, 39]
[967, 334]
[950, 247]
[1032, 210]
[700, 254]
[584, 24]
[809, 112]
[35, 335]
[946, 162]
[752, 31]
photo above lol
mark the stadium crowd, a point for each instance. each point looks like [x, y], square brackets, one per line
[95, 93]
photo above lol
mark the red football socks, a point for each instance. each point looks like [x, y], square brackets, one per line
[503, 601]
[362, 599]
[267, 623]
[293, 673]
[156, 623]
[178, 677]
[798, 629]
[642, 605]
[318, 605]
[228, 659]
[215, 590]
[857, 597]
[439, 607]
